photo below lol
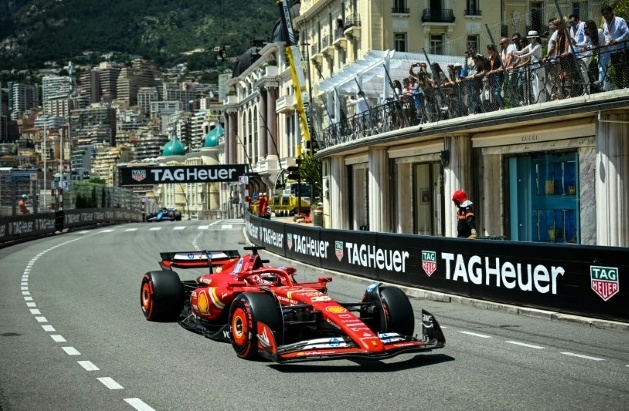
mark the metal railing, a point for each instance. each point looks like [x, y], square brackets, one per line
[438, 16]
[44, 198]
[605, 69]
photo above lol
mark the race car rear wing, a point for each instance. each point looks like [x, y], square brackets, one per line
[196, 259]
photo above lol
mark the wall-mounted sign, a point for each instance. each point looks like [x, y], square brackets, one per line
[181, 174]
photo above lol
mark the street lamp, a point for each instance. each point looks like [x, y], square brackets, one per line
[45, 155]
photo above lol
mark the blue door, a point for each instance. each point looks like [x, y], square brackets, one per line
[544, 204]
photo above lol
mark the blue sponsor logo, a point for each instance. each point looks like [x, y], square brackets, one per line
[238, 267]
[190, 256]
[334, 342]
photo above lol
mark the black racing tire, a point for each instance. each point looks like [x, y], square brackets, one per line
[396, 312]
[246, 311]
[149, 216]
[161, 296]
[177, 215]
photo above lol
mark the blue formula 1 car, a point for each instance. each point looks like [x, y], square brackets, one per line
[165, 214]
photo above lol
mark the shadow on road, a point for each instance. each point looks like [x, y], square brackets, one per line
[416, 361]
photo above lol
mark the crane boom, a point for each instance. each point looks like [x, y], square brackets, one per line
[294, 59]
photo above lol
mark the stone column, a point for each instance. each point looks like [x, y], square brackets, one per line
[271, 121]
[489, 205]
[379, 210]
[612, 172]
[457, 175]
[404, 199]
[262, 123]
[338, 186]
[232, 141]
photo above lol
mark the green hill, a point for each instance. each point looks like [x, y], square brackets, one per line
[36, 31]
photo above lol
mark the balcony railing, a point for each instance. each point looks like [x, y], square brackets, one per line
[473, 12]
[438, 16]
[353, 20]
[400, 10]
[530, 84]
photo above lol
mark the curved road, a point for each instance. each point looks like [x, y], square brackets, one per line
[72, 337]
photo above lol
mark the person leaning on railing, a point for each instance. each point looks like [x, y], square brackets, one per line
[593, 38]
[529, 59]
[616, 36]
[475, 82]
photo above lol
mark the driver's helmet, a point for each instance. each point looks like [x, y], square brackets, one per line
[24, 196]
[264, 279]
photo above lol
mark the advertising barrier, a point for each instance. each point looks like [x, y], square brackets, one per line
[584, 280]
[14, 228]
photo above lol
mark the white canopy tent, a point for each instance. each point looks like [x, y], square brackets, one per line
[370, 71]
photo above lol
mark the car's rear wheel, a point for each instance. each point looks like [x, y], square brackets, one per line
[161, 296]
[246, 311]
[392, 312]
[177, 215]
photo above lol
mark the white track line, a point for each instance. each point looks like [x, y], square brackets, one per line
[181, 227]
[537, 347]
[41, 319]
[35, 311]
[88, 365]
[110, 383]
[586, 357]
[71, 350]
[48, 328]
[138, 404]
[475, 334]
[58, 338]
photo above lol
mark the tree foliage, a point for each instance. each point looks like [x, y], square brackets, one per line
[159, 30]
[310, 171]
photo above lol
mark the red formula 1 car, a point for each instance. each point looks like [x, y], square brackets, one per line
[263, 311]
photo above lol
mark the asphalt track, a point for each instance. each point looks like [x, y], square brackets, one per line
[72, 337]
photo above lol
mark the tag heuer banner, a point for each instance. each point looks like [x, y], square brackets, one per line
[181, 174]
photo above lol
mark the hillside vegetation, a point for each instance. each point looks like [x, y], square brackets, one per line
[37, 31]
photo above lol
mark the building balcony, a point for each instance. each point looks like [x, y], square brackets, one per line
[327, 47]
[352, 26]
[339, 39]
[438, 16]
[315, 54]
[285, 104]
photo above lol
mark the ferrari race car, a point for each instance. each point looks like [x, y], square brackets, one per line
[165, 214]
[263, 311]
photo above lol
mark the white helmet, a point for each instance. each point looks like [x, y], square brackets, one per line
[24, 196]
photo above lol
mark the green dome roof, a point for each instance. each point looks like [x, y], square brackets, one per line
[174, 148]
[212, 138]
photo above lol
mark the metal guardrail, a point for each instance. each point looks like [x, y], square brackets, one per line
[530, 84]
[45, 196]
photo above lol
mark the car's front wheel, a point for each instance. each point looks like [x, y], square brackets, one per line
[391, 311]
[247, 310]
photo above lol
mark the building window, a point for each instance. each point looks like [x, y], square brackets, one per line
[399, 7]
[472, 8]
[400, 41]
[473, 42]
[436, 43]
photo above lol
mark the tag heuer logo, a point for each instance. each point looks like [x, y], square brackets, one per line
[429, 262]
[338, 249]
[289, 241]
[604, 281]
[138, 175]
